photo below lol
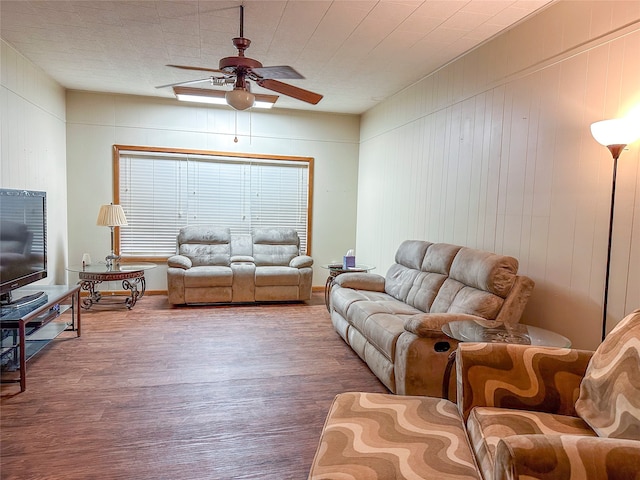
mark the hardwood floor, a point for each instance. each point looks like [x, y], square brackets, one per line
[158, 392]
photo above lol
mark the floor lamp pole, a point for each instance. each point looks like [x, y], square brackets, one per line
[615, 153]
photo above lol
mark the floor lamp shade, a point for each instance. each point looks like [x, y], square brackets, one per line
[614, 134]
[618, 131]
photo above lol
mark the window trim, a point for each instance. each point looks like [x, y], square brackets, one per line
[118, 148]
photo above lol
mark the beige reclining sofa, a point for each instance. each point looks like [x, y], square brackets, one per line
[215, 266]
[394, 323]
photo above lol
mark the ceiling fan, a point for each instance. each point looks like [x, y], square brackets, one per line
[239, 71]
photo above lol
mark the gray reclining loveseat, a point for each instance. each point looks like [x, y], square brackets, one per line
[215, 266]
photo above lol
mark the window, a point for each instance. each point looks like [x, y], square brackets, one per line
[162, 190]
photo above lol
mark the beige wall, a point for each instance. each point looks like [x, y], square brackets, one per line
[494, 151]
[32, 146]
[95, 122]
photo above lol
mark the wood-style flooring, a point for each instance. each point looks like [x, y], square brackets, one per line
[159, 392]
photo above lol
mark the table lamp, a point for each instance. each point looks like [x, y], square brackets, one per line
[111, 216]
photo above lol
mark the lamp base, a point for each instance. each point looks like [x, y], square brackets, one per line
[112, 260]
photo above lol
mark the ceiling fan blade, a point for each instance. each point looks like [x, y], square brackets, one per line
[290, 90]
[203, 69]
[188, 82]
[280, 71]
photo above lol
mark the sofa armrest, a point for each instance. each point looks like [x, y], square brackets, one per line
[566, 456]
[361, 281]
[301, 261]
[179, 261]
[526, 377]
[430, 324]
[242, 259]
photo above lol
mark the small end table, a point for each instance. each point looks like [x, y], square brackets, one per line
[131, 275]
[471, 331]
[336, 269]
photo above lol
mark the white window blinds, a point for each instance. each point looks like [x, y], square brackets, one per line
[161, 192]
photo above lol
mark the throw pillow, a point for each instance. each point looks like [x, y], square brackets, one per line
[609, 398]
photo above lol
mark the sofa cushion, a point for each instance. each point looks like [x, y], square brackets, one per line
[485, 271]
[377, 436]
[382, 331]
[610, 391]
[487, 425]
[343, 298]
[411, 253]
[456, 297]
[399, 280]
[439, 258]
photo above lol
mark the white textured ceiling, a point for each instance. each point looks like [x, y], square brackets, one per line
[354, 52]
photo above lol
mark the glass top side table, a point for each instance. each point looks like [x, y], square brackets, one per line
[471, 331]
[131, 275]
[336, 269]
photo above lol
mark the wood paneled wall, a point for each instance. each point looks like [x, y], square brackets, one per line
[494, 151]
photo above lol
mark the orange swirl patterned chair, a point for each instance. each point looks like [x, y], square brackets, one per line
[530, 413]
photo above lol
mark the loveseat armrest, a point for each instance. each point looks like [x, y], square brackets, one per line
[566, 456]
[361, 281]
[545, 379]
[179, 261]
[430, 324]
[301, 261]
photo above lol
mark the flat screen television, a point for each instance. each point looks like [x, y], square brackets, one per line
[23, 240]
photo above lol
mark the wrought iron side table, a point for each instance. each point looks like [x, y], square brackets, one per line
[131, 275]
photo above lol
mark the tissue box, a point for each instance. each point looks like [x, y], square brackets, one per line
[348, 261]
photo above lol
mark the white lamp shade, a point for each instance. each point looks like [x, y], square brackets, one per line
[618, 131]
[240, 99]
[111, 216]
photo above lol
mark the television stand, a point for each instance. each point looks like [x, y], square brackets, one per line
[25, 301]
[26, 330]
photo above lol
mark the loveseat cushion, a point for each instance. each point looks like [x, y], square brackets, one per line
[208, 276]
[205, 245]
[373, 436]
[487, 425]
[276, 276]
[275, 246]
[610, 391]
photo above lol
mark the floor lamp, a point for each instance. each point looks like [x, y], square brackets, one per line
[111, 216]
[614, 134]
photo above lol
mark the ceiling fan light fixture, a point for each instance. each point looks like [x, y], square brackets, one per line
[218, 97]
[240, 99]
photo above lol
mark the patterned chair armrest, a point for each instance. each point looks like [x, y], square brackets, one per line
[549, 457]
[525, 377]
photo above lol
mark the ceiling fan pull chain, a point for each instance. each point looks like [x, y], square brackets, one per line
[235, 139]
